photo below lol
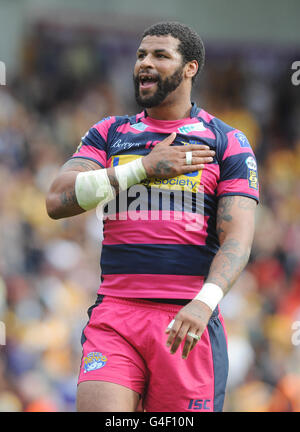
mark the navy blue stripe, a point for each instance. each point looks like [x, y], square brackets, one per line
[94, 139]
[132, 143]
[234, 167]
[195, 110]
[190, 260]
[220, 361]
[90, 310]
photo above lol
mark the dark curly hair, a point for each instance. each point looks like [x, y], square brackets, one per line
[191, 46]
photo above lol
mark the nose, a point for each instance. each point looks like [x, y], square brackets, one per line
[146, 62]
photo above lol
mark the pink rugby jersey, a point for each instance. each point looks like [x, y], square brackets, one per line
[159, 237]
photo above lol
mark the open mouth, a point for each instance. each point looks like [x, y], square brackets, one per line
[147, 81]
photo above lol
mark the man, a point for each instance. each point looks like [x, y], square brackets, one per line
[155, 333]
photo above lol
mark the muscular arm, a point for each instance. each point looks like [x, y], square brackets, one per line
[163, 161]
[61, 199]
[235, 227]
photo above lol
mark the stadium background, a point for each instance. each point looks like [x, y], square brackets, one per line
[69, 63]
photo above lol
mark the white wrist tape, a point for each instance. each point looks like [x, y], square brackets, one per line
[93, 187]
[210, 294]
[130, 173]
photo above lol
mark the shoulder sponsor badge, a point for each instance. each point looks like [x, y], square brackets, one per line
[252, 172]
[94, 361]
[242, 139]
[79, 147]
[251, 163]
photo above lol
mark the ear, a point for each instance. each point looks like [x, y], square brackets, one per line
[191, 68]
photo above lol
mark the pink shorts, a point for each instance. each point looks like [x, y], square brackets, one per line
[124, 342]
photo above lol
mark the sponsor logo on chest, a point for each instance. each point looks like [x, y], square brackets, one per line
[194, 127]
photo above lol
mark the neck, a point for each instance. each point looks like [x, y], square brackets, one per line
[168, 110]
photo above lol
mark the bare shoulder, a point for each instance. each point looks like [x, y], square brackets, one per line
[80, 164]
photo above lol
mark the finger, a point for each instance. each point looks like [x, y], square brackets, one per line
[195, 341]
[179, 337]
[203, 153]
[191, 168]
[201, 160]
[190, 342]
[172, 331]
[194, 147]
[168, 141]
[170, 326]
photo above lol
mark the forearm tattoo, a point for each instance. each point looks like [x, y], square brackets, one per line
[233, 254]
[228, 264]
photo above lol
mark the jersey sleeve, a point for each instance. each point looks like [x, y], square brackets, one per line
[93, 144]
[238, 168]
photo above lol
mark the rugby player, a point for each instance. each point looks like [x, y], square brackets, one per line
[155, 333]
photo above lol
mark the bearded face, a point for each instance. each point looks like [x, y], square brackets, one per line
[151, 89]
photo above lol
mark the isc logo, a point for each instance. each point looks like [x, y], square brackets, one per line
[199, 404]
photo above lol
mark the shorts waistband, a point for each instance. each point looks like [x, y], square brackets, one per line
[149, 304]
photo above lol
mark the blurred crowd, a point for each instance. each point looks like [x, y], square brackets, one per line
[49, 270]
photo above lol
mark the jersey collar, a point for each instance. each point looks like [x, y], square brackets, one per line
[194, 112]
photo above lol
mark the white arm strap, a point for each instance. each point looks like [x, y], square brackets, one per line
[93, 187]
